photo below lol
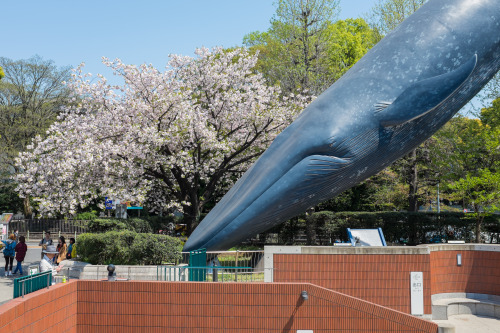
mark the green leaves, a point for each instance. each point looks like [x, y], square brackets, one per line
[481, 190]
[293, 52]
[128, 248]
[348, 42]
[31, 94]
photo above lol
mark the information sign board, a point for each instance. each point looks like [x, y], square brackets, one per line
[417, 293]
[366, 237]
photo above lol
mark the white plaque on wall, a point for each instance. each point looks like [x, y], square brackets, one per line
[417, 293]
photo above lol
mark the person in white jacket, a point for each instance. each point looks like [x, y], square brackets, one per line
[46, 264]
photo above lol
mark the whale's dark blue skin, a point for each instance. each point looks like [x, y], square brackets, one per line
[400, 93]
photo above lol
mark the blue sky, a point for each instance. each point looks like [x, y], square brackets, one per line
[71, 32]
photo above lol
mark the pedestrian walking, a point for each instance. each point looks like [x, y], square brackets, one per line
[9, 252]
[21, 250]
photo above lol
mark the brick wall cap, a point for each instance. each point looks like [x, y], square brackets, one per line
[462, 247]
[365, 250]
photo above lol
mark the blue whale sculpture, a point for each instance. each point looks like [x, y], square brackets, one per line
[401, 92]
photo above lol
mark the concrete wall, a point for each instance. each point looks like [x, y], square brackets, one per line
[201, 307]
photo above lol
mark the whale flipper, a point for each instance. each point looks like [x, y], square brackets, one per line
[321, 165]
[423, 96]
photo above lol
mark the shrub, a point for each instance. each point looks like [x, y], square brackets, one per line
[103, 225]
[86, 216]
[128, 248]
[109, 224]
[138, 225]
[158, 223]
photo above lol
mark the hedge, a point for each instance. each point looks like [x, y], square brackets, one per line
[323, 228]
[141, 225]
[127, 247]
[109, 224]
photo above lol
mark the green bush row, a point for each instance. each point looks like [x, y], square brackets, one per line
[128, 247]
[140, 225]
[322, 228]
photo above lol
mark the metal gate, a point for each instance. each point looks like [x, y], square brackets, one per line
[197, 265]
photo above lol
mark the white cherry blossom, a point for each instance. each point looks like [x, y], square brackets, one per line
[172, 140]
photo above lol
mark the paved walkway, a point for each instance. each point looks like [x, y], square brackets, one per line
[7, 283]
[474, 324]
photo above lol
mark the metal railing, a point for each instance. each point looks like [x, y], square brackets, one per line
[252, 259]
[30, 283]
[209, 274]
[38, 226]
[165, 273]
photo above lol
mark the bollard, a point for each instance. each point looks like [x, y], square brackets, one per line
[28, 235]
[215, 276]
[111, 270]
[236, 265]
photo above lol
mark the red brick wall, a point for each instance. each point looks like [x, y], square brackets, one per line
[479, 273]
[53, 309]
[97, 306]
[378, 278]
[231, 307]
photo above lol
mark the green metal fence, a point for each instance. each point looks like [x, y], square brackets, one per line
[209, 273]
[30, 283]
[198, 259]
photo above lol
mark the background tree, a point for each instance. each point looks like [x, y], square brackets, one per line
[470, 160]
[491, 115]
[482, 191]
[348, 41]
[491, 91]
[2, 74]
[174, 140]
[31, 96]
[293, 49]
[388, 14]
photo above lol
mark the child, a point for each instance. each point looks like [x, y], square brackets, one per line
[21, 250]
[71, 249]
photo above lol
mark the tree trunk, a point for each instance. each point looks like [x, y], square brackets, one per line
[413, 182]
[479, 222]
[27, 207]
[310, 232]
[191, 217]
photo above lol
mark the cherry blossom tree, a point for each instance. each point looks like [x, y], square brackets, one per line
[173, 140]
